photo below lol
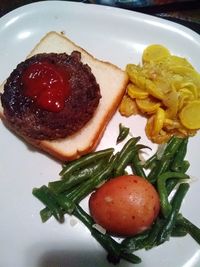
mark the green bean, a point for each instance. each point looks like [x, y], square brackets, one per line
[84, 161]
[68, 201]
[151, 162]
[76, 177]
[192, 229]
[185, 166]
[171, 220]
[128, 146]
[131, 156]
[94, 182]
[180, 155]
[137, 166]
[45, 214]
[172, 146]
[162, 190]
[171, 183]
[124, 162]
[109, 244]
[151, 240]
[131, 244]
[105, 240]
[123, 133]
[165, 161]
[179, 231]
[48, 199]
[162, 166]
[124, 155]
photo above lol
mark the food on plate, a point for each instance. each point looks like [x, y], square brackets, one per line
[166, 90]
[126, 205]
[123, 133]
[116, 173]
[88, 114]
[50, 96]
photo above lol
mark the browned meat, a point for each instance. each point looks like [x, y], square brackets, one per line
[29, 119]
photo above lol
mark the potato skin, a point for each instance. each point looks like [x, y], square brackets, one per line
[125, 205]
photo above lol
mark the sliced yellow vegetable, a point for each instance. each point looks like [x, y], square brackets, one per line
[135, 92]
[188, 93]
[171, 102]
[132, 70]
[175, 61]
[171, 124]
[153, 90]
[158, 121]
[161, 137]
[166, 89]
[149, 126]
[155, 52]
[128, 107]
[147, 105]
[188, 73]
[190, 115]
[191, 87]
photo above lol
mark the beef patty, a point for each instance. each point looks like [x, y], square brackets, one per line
[30, 117]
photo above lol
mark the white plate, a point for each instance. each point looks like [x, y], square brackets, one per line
[111, 34]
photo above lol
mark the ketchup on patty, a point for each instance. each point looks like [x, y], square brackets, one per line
[47, 84]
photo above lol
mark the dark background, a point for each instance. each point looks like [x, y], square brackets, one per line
[183, 12]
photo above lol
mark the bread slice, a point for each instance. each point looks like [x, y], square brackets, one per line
[112, 81]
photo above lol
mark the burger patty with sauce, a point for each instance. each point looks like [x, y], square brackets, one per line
[50, 96]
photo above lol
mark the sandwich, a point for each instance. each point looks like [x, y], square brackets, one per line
[81, 129]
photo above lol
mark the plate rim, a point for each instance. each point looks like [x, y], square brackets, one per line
[102, 8]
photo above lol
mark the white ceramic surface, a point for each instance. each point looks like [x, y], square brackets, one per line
[113, 35]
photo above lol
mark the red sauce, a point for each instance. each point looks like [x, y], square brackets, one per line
[47, 84]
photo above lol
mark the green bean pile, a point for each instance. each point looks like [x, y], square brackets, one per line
[82, 176]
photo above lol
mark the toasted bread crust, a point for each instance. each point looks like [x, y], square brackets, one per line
[60, 148]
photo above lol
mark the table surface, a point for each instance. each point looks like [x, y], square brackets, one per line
[183, 12]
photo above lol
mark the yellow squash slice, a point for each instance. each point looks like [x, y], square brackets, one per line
[155, 52]
[190, 115]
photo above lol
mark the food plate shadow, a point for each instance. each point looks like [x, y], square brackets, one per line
[72, 257]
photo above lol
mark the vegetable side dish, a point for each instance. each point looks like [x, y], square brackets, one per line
[123, 194]
[166, 90]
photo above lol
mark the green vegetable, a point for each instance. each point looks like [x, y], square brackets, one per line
[164, 163]
[125, 156]
[48, 199]
[136, 165]
[82, 176]
[151, 240]
[131, 244]
[110, 245]
[85, 161]
[192, 229]
[67, 201]
[170, 222]
[77, 177]
[124, 162]
[45, 214]
[151, 162]
[162, 190]
[179, 157]
[94, 182]
[123, 133]
[179, 231]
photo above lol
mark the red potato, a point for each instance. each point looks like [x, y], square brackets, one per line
[125, 205]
